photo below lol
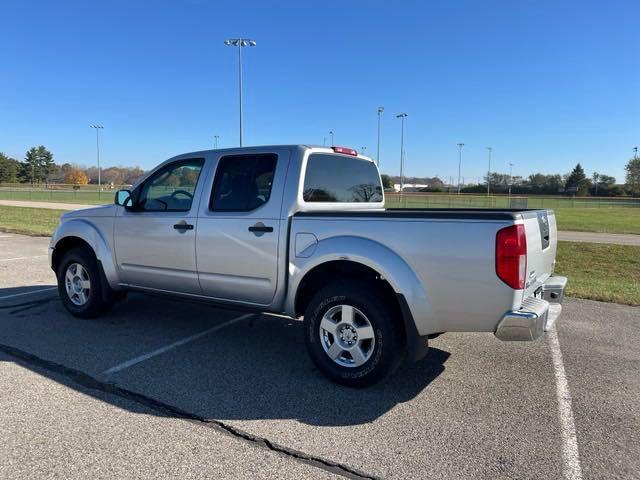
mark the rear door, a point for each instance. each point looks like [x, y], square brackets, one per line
[239, 227]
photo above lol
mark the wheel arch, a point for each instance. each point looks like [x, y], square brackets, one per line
[356, 256]
[81, 233]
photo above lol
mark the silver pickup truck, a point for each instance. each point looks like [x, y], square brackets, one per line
[303, 231]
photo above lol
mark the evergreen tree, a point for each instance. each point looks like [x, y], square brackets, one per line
[577, 179]
[8, 169]
[632, 178]
[38, 163]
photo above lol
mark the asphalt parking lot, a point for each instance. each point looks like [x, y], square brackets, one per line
[163, 388]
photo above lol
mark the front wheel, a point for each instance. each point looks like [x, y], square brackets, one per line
[351, 334]
[80, 284]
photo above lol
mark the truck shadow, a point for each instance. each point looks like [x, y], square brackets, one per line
[256, 369]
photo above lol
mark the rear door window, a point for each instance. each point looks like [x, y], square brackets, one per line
[341, 178]
[243, 182]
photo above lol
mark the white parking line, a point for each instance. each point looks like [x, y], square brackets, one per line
[28, 293]
[173, 345]
[21, 258]
[570, 455]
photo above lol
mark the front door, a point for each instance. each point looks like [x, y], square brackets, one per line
[239, 228]
[155, 239]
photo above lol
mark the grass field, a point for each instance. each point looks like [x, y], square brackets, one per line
[610, 273]
[596, 271]
[30, 221]
[606, 219]
[62, 196]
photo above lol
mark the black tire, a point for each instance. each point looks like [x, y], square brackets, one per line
[95, 303]
[388, 347]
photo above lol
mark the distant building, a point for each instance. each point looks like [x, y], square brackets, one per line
[410, 187]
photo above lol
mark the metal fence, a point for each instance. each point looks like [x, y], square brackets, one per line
[89, 194]
[438, 200]
[59, 192]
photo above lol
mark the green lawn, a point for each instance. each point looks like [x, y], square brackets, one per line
[605, 219]
[30, 221]
[610, 273]
[63, 196]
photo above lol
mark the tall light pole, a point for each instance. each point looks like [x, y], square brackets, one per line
[215, 140]
[363, 149]
[510, 177]
[98, 127]
[240, 43]
[402, 116]
[635, 153]
[380, 110]
[332, 142]
[489, 149]
[460, 145]
[324, 141]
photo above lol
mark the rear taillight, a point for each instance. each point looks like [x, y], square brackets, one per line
[511, 256]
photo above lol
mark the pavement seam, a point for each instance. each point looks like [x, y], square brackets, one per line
[87, 381]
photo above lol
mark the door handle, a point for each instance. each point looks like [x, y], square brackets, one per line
[260, 227]
[183, 226]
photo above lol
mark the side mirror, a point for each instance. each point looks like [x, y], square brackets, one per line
[123, 198]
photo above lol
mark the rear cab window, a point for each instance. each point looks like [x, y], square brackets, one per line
[341, 179]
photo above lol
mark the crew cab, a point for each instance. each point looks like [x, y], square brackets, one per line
[303, 231]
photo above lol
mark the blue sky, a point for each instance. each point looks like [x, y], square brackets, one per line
[547, 84]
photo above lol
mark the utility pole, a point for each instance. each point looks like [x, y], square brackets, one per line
[98, 128]
[240, 43]
[402, 116]
[489, 149]
[510, 178]
[380, 110]
[460, 145]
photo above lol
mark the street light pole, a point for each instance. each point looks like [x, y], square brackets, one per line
[332, 142]
[490, 149]
[510, 177]
[635, 153]
[240, 43]
[380, 110]
[460, 145]
[215, 138]
[324, 141]
[98, 127]
[402, 116]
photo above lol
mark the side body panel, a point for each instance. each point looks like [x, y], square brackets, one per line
[445, 268]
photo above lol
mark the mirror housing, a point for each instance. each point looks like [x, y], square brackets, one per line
[123, 198]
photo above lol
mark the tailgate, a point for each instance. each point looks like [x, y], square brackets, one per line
[542, 238]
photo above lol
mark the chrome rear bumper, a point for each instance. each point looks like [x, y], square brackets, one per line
[536, 315]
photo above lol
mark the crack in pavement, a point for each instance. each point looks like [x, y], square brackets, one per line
[85, 380]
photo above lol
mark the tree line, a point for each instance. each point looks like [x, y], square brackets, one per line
[39, 167]
[574, 183]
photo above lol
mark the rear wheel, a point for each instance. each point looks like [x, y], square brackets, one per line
[80, 284]
[351, 334]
